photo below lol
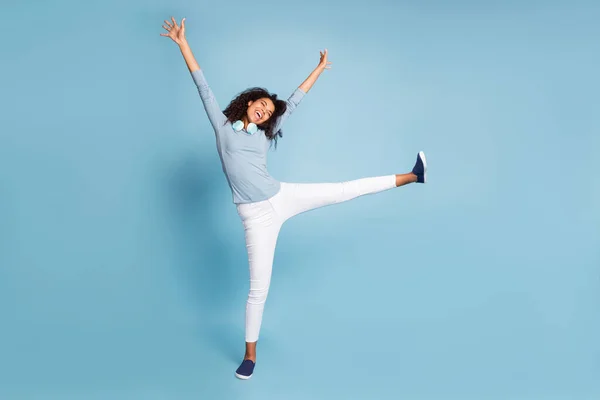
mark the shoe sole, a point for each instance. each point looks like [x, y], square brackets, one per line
[242, 376]
[422, 156]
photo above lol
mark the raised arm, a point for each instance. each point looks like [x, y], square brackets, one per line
[312, 78]
[299, 93]
[177, 34]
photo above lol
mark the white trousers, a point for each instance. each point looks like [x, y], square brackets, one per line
[263, 220]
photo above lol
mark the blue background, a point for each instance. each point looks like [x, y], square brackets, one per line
[123, 268]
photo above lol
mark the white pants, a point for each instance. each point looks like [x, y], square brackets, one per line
[263, 220]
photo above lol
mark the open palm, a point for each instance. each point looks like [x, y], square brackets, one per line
[176, 32]
[323, 62]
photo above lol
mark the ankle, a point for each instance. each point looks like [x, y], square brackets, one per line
[404, 179]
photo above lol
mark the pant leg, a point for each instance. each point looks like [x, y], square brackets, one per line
[261, 228]
[296, 198]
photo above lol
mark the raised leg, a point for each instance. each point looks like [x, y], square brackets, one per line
[296, 198]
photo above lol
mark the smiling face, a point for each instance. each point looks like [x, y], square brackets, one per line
[260, 111]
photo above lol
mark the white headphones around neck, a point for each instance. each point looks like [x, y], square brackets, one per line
[239, 125]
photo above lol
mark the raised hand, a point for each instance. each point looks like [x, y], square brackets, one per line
[323, 63]
[312, 78]
[176, 32]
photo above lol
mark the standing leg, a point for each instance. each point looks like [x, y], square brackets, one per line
[260, 244]
[261, 227]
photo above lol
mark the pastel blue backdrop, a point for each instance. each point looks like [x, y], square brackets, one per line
[123, 268]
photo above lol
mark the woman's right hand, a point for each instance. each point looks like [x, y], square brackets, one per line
[176, 32]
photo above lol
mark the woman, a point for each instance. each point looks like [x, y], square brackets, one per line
[244, 132]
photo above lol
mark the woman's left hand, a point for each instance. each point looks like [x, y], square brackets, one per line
[323, 63]
[314, 75]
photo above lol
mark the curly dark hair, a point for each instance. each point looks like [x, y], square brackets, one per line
[238, 107]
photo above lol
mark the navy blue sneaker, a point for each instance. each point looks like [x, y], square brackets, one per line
[245, 370]
[420, 168]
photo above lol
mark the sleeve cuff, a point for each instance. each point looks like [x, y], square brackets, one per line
[199, 79]
[297, 96]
